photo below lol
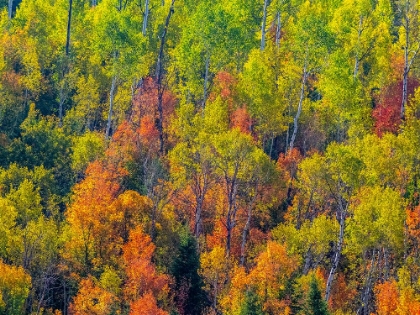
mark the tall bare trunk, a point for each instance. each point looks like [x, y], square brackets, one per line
[232, 191]
[278, 29]
[69, 27]
[367, 290]
[10, 9]
[299, 111]
[357, 57]
[341, 216]
[145, 17]
[159, 77]
[263, 24]
[206, 79]
[111, 106]
[247, 227]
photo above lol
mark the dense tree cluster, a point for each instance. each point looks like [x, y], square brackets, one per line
[209, 157]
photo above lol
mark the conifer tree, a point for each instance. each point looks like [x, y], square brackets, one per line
[316, 304]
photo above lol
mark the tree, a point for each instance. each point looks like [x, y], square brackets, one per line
[143, 283]
[191, 298]
[14, 289]
[92, 299]
[408, 12]
[316, 304]
[251, 305]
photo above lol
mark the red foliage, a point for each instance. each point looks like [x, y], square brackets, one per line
[145, 110]
[241, 119]
[341, 294]
[387, 113]
[289, 162]
[148, 132]
[224, 83]
[146, 305]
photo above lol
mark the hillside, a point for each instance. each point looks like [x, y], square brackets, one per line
[208, 157]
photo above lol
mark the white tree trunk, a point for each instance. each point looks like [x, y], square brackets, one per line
[299, 111]
[145, 17]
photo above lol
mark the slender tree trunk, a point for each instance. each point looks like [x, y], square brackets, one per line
[206, 79]
[145, 17]
[364, 307]
[247, 226]
[200, 193]
[342, 212]
[69, 27]
[159, 77]
[232, 190]
[356, 59]
[61, 103]
[111, 106]
[10, 9]
[278, 29]
[404, 83]
[263, 24]
[299, 111]
[63, 87]
[308, 261]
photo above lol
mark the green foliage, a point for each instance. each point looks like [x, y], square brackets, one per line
[251, 305]
[316, 304]
[87, 148]
[188, 283]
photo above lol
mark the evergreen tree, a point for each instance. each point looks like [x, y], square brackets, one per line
[251, 306]
[316, 304]
[190, 298]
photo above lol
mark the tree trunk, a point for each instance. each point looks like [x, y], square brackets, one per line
[111, 106]
[278, 29]
[404, 83]
[247, 226]
[263, 24]
[356, 59]
[364, 307]
[145, 17]
[200, 193]
[10, 9]
[159, 77]
[69, 27]
[206, 80]
[232, 190]
[342, 219]
[296, 119]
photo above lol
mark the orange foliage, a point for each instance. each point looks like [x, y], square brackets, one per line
[146, 305]
[145, 114]
[274, 267]
[289, 163]
[392, 300]
[241, 119]
[413, 221]
[125, 146]
[148, 132]
[91, 217]
[341, 294]
[92, 300]
[142, 276]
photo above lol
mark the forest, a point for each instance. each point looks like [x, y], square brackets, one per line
[209, 157]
